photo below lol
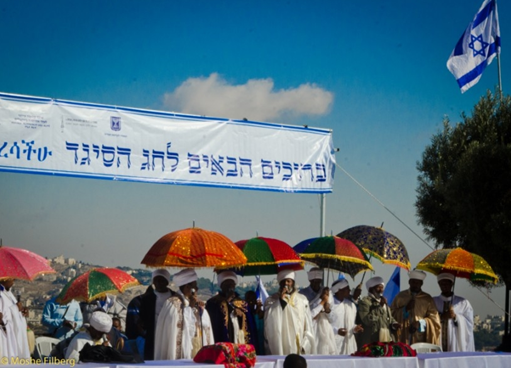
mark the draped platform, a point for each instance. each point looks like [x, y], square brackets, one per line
[431, 360]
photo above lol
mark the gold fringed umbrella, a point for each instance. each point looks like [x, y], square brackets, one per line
[378, 243]
[194, 247]
[460, 263]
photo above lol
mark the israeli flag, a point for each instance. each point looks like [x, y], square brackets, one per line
[261, 292]
[393, 286]
[477, 47]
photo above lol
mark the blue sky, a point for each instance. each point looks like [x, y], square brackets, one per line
[383, 64]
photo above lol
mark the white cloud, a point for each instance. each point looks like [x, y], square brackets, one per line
[254, 100]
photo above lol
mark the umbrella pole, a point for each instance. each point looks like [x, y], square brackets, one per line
[452, 298]
[364, 275]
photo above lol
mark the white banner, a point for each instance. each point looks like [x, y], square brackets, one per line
[57, 137]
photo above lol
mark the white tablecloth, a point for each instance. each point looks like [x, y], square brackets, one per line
[464, 360]
[346, 361]
[431, 360]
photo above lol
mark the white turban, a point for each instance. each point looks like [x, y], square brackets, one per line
[417, 275]
[372, 282]
[101, 321]
[161, 272]
[285, 274]
[338, 285]
[315, 274]
[227, 275]
[445, 276]
[185, 276]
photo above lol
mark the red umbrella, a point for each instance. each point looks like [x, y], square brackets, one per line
[16, 263]
[95, 283]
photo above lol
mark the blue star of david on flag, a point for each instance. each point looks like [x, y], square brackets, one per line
[472, 53]
[479, 39]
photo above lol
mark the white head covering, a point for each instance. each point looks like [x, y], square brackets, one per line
[373, 281]
[227, 275]
[315, 273]
[445, 276]
[161, 272]
[101, 321]
[185, 276]
[285, 274]
[338, 285]
[417, 275]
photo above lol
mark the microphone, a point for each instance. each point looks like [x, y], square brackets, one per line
[18, 297]
[193, 291]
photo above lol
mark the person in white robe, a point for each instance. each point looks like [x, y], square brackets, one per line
[342, 318]
[287, 320]
[456, 317]
[100, 324]
[320, 301]
[13, 310]
[183, 325]
[7, 335]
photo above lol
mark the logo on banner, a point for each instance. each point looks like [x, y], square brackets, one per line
[115, 123]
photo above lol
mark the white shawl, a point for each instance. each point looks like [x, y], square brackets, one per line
[343, 315]
[461, 336]
[288, 330]
[177, 326]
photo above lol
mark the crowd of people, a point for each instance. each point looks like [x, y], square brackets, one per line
[163, 324]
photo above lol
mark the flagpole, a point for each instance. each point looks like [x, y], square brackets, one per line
[498, 64]
[506, 315]
[322, 215]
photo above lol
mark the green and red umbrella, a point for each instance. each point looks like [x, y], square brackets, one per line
[95, 283]
[334, 253]
[267, 256]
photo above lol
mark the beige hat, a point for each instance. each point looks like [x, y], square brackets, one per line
[101, 321]
[161, 272]
[185, 276]
[445, 276]
[227, 275]
[417, 275]
[285, 274]
[315, 273]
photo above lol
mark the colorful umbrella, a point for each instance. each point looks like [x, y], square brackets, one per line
[194, 247]
[334, 253]
[378, 243]
[267, 256]
[95, 283]
[460, 263]
[16, 263]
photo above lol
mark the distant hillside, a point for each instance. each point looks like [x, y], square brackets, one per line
[36, 293]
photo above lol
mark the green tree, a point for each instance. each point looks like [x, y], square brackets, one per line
[464, 190]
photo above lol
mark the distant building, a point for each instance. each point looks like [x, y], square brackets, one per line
[59, 260]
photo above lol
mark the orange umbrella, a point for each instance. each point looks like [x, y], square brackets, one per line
[460, 263]
[16, 263]
[95, 283]
[194, 247]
